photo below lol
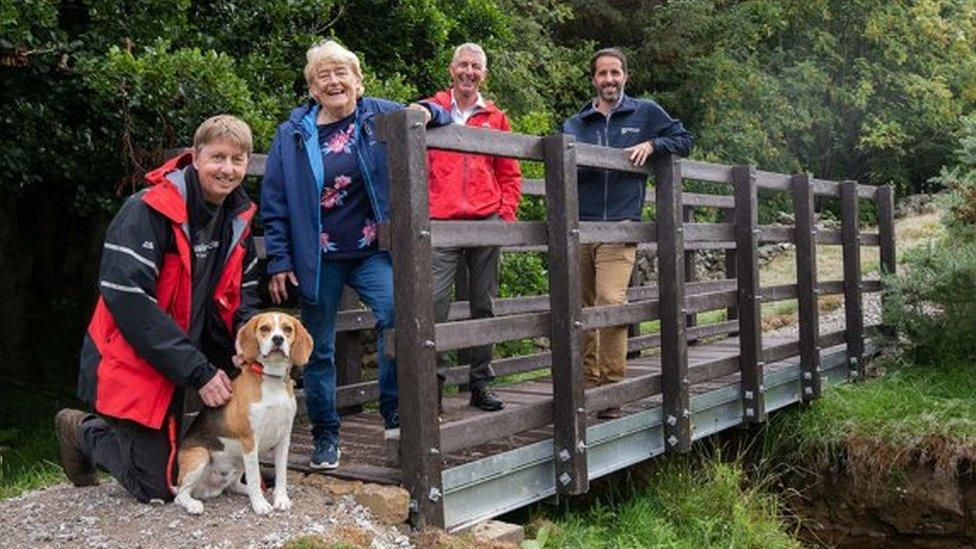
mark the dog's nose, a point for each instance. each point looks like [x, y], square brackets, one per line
[277, 340]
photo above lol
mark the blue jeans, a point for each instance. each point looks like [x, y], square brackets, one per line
[372, 278]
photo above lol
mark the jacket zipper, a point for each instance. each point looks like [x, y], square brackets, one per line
[606, 173]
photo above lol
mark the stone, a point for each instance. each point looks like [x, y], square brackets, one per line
[389, 504]
[334, 486]
[496, 531]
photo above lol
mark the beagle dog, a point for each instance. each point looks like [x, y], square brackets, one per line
[224, 442]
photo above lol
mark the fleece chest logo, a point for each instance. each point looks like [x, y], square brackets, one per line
[204, 249]
[629, 129]
[148, 245]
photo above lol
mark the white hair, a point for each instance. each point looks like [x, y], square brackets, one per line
[473, 48]
[330, 51]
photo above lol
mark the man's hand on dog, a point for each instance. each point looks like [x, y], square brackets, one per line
[217, 391]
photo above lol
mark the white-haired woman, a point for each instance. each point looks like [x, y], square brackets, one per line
[326, 187]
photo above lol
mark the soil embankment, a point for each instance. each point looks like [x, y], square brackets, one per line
[875, 495]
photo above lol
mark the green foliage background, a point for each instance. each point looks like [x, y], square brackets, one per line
[94, 91]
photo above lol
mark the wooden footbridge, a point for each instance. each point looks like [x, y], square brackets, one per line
[469, 465]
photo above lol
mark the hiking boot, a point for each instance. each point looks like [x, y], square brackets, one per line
[326, 454]
[76, 466]
[612, 412]
[485, 399]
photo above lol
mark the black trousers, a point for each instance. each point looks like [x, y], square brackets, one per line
[135, 455]
[482, 264]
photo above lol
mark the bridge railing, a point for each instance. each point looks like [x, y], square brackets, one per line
[561, 316]
[674, 300]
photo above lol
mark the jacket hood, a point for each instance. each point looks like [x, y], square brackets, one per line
[167, 191]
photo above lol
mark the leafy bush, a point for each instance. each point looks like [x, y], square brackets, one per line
[933, 304]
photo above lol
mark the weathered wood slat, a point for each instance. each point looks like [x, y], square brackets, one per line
[456, 137]
[591, 232]
[771, 294]
[870, 239]
[806, 278]
[770, 234]
[728, 216]
[565, 305]
[698, 332]
[471, 333]
[603, 316]
[705, 171]
[460, 234]
[750, 327]
[830, 287]
[853, 310]
[828, 236]
[697, 303]
[420, 451]
[594, 156]
[348, 351]
[709, 232]
[671, 281]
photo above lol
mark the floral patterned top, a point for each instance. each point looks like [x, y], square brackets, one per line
[348, 223]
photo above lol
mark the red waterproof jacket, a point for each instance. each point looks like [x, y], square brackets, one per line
[136, 351]
[473, 186]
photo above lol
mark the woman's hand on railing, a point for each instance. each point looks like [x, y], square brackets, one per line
[278, 286]
[420, 108]
[640, 153]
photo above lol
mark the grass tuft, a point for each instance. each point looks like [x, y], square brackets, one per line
[680, 502]
[28, 446]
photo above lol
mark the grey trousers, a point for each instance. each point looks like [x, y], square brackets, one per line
[482, 265]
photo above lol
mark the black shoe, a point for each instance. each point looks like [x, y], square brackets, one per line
[485, 399]
[612, 412]
[76, 466]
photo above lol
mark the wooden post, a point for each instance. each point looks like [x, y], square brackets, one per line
[671, 284]
[731, 313]
[565, 311]
[885, 199]
[806, 286]
[688, 216]
[349, 352]
[853, 312]
[747, 267]
[420, 455]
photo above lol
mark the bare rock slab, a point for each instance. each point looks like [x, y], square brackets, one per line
[496, 531]
[389, 504]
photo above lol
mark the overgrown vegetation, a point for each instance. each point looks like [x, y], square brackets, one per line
[674, 502]
[28, 447]
[922, 408]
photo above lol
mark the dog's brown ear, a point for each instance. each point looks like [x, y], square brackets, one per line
[247, 341]
[301, 349]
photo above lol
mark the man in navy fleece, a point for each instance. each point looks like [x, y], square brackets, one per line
[643, 128]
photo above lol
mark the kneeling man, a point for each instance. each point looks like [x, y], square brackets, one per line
[178, 276]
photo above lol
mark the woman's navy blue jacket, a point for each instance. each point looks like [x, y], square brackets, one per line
[294, 179]
[608, 195]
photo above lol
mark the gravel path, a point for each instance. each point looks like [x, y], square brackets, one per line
[834, 320]
[107, 516]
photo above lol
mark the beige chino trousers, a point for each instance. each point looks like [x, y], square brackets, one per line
[604, 275]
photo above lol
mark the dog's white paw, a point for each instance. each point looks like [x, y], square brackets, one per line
[261, 506]
[282, 502]
[192, 506]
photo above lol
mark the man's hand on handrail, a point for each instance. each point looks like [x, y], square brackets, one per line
[640, 153]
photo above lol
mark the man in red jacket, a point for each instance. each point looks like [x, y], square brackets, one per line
[178, 276]
[471, 186]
